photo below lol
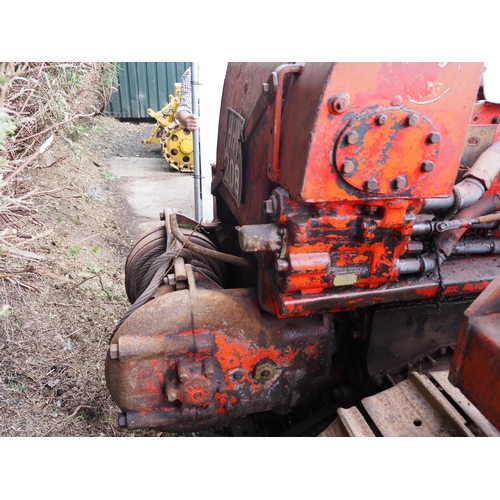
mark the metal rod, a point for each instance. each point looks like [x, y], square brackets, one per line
[196, 139]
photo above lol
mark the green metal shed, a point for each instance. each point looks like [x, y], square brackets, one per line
[143, 85]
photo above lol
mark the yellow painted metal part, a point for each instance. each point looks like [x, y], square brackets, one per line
[176, 141]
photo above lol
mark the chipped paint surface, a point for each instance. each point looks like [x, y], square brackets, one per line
[257, 363]
[339, 161]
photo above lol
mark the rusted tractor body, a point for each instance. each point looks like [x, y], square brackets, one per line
[356, 221]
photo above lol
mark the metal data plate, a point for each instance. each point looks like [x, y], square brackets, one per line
[232, 162]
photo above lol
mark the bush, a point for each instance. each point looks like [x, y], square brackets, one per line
[37, 101]
[38, 98]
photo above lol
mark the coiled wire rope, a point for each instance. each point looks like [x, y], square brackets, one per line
[146, 274]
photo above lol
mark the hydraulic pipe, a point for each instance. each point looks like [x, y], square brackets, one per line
[476, 181]
[427, 262]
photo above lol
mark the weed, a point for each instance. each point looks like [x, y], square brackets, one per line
[93, 268]
[7, 127]
[17, 387]
[110, 293]
[109, 176]
[94, 249]
[4, 310]
[72, 251]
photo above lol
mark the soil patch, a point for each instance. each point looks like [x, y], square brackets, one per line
[64, 288]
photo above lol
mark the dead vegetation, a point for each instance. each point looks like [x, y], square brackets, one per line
[40, 101]
[62, 249]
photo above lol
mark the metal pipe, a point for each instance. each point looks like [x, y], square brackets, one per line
[475, 182]
[487, 166]
[207, 252]
[477, 247]
[196, 140]
[427, 262]
[422, 264]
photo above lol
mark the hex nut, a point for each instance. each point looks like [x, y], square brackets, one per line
[264, 371]
[339, 103]
[371, 184]
[381, 119]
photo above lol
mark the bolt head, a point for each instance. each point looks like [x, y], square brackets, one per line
[339, 103]
[352, 137]
[371, 184]
[348, 167]
[434, 137]
[381, 119]
[281, 265]
[400, 182]
[427, 166]
[172, 394]
[209, 368]
[268, 207]
[113, 351]
[412, 119]
[397, 100]
[271, 206]
[122, 420]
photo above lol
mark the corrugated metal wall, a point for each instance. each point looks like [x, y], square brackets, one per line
[143, 85]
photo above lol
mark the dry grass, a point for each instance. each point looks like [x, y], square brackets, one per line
[62, 252]
[40, 101]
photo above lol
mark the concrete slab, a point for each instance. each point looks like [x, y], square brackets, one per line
[148, 185]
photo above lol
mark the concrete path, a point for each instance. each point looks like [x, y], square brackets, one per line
[148, 185]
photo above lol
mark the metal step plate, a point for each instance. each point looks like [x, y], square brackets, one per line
[420, 406]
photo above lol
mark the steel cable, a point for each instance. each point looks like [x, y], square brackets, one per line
[148, 273]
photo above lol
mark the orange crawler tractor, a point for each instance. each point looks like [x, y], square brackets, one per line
[356, 220]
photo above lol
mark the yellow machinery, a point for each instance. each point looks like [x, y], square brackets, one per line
[176, 141]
